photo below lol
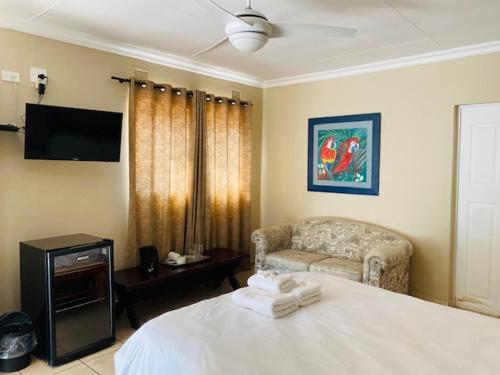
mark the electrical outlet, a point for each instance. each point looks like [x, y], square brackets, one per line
[35, 72]
[11, 76]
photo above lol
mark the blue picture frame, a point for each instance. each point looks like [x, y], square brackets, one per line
[344, 154]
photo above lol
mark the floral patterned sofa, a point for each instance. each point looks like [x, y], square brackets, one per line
[341, 247]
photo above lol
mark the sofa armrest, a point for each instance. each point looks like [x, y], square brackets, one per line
[270, 239]
[388, 264]
[389, 255]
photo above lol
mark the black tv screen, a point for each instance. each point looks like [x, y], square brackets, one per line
[60, 133]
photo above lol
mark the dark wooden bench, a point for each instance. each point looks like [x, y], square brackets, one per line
[131, 286]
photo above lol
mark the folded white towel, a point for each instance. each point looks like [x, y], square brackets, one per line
[307, 292]
[265, 303]
[309, 300]
[304, 289]
[271, 282]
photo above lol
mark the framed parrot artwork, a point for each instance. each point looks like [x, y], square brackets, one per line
[344, 154]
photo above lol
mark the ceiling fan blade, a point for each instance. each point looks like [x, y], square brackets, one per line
[213, 46]
[283, 30]
[214, 7]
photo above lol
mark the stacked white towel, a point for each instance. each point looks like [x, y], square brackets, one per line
[272, 305]
[274, 295]
[307, 292]
[272, 282]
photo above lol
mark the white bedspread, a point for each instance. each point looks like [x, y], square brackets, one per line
[354, 329]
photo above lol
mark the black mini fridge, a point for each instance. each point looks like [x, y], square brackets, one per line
[66, 289]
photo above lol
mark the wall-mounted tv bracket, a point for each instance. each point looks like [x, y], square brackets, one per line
[42, 85]
[9, 128]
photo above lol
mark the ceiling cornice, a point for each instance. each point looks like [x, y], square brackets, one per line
[150, 55]
[178, 62]
[426, 58]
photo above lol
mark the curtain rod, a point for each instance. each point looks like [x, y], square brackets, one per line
[178, 91]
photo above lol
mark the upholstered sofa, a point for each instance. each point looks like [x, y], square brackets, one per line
[346, 248]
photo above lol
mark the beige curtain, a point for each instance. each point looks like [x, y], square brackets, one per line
[229, 172]
[189, 171]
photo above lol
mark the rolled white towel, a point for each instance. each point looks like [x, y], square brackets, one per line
[176, 257]
[272, 282]
[181, 260]
[173, 255]
[282, 277]
[269, 304]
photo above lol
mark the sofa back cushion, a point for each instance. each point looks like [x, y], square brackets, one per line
[341, 238]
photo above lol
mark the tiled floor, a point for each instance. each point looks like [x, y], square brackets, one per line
[101, 363]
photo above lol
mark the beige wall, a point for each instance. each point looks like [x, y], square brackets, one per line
[417, 149]
[47, 198]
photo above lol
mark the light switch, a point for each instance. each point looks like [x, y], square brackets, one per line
[11, 76]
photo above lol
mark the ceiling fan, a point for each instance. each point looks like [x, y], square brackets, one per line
[249, 30]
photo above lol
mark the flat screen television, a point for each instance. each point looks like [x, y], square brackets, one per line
[60, 133]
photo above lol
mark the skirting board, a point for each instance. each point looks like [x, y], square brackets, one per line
[429, 299]
[474, 307]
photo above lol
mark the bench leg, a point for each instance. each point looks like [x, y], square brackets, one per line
[132, 315]
[125, 300]
[118, 309]
[235, 284]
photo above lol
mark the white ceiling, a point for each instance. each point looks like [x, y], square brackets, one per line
[387, 29]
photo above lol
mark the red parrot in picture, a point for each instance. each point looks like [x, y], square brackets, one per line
[347, 149]
[328, 154]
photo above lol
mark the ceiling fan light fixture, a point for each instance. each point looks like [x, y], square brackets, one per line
[248, 41]
[250, 30]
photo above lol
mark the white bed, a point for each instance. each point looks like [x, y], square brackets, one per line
[354, 329]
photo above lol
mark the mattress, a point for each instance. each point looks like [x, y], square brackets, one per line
[354, 329]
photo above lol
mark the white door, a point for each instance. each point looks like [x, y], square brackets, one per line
[477, 271]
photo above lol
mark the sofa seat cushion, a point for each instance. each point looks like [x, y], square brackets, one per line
[339, 267]
[292, 260]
